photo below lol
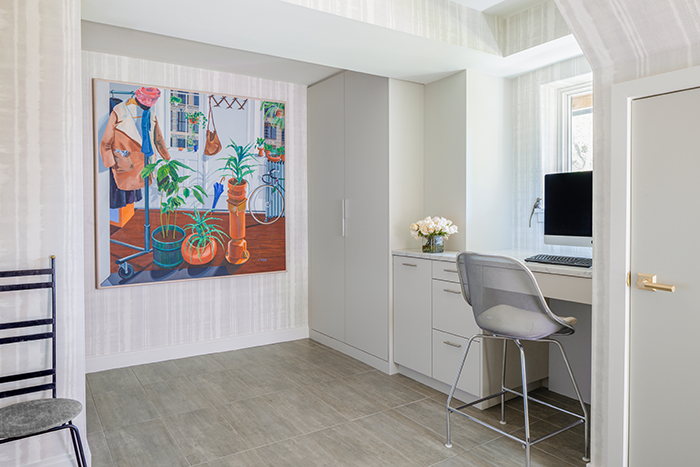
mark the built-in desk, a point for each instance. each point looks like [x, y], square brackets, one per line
[432, 323]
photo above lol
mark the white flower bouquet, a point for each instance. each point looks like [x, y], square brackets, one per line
[433, 227]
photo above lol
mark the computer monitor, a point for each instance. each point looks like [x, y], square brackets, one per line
[568, 209]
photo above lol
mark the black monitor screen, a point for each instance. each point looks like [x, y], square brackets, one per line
[568, 204]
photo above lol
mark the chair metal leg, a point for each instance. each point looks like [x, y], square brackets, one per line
[448, 442]
[525, 402]
[586, 449]
[77, 445]
[503, 384]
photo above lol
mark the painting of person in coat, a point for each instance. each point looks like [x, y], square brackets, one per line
[123, 148]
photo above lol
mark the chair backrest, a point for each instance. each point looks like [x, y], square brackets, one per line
[506, 299]
[38, 333]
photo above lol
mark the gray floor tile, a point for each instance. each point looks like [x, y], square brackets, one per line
[99, 450]
[466, 459]
[258, 422]
[514, 418]
[296, 452]
[198, 365]
[263, 379]
[414, 385]
[93, 420]
[124, 408]
[112, 380]
[337, 364]
[412, 440]
[244, 459]
[237, 359]
[381, 387]
[301, 371]
[347, 398]
[204, 435]
[222, 387]
[176, 396]
[431, 414]
[568, 445]
[157, 372]
[504, 452]
[351, 446]
[145, 444]
[306, 411]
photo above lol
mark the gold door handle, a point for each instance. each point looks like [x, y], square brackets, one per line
[648, 282]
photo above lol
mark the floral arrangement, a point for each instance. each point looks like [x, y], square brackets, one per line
[433, 227]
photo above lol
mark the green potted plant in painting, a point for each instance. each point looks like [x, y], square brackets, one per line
[274, 113]
[260, 143]
[268, 149]
[167, 239]
[200, 246]
[193, 120]
[276, 155]
[237, 165]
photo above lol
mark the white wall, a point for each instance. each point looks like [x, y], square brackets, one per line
[445, 161]
[489, 162]
[41, 188]
[140, 324]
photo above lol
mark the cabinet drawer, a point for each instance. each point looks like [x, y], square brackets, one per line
[447, 353]
[445, 271]
[451, 313]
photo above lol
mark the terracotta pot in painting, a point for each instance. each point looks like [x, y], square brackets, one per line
[236, 250]
[198, 256]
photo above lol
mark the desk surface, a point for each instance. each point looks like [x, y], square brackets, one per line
[520, 255]
[569, 283]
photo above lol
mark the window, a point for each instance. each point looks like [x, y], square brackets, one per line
[576, 124]
[185, 119]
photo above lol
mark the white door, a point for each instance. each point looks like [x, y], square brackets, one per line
[664, 326]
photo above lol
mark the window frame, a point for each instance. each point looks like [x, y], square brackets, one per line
[565, 98]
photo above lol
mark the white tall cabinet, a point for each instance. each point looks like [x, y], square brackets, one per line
[365, 160]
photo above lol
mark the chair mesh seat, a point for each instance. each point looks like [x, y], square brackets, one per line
[26, 418]
[510, 321]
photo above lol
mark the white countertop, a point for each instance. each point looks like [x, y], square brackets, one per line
[520, 255]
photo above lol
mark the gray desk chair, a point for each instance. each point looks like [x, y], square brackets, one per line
[508, 305]
[39, 416]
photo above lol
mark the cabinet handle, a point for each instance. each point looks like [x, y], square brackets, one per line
[411, 265]
[451, 270]
[452, 344]
[452, 291]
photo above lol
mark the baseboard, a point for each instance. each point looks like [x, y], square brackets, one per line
[109, 362]
[382, 365]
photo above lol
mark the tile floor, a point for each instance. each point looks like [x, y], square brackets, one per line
[298, 404]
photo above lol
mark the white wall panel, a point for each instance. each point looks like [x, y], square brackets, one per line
[41, 190]
[141, 318]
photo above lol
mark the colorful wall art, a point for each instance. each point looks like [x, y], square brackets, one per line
[189, 185]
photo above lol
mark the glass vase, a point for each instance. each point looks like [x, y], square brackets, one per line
[434, 244]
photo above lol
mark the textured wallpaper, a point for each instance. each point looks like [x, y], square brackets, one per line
[138, 318]
[41, 185]
[535, 144]
[535, 26]
[623, 40]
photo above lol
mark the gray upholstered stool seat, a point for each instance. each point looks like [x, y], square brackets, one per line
[26, 418]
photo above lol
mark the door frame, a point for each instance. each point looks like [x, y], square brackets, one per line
[618, 246]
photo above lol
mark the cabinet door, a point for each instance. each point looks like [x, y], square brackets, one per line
[451, 313]
[367, 254]
[326, 192]
[412, 334]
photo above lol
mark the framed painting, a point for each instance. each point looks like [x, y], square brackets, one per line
[189, 185]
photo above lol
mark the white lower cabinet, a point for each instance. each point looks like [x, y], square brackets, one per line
[432, 324]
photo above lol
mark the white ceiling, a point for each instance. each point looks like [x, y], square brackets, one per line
[277, 40]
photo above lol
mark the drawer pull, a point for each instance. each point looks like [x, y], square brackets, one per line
[452, 344]
[452, 291]
[451, 270]
[411, 265]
